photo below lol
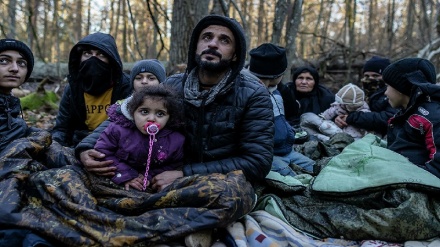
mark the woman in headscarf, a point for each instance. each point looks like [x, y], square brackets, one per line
[305, 94]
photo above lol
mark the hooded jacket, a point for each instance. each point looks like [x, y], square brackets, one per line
[234, 131]
[70, 127]
[414, 132]
[297, 103]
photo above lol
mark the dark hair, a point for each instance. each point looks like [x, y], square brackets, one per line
[163, 93]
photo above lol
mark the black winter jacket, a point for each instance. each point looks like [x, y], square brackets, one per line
[415, 131]
[70, 127]
[377, 119]
[235, 132]
[12, 126]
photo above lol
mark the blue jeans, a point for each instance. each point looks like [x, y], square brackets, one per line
[281, 164]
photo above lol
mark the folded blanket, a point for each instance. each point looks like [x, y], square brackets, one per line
[364, 166]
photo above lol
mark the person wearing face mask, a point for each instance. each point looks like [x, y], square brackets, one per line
[374, 88]
[96, 81]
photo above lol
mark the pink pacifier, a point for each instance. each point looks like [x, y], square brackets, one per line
[151, 128]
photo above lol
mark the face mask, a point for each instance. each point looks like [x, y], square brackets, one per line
[370, 85]
[95, 76]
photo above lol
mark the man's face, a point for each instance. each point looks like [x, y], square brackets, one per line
[215, 48]
[371, 82]
[369, 75]
[13, 70]
[88, 53]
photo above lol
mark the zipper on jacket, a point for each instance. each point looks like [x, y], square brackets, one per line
[200, 129]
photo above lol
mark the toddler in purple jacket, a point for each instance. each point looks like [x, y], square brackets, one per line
[147, 142]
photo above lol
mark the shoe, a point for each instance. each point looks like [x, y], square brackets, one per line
[199, 239]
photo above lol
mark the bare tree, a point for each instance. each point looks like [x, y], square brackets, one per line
[292, 31]
[278, 23]
[182, 23]
[390, 21]
[12, 21]
[78, 20]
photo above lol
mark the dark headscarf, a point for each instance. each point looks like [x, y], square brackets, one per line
[316, 101]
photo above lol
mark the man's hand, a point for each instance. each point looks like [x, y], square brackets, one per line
[341, 121]
[90, 159]
[159, 182]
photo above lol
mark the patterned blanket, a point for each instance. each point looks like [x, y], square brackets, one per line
[70, 207]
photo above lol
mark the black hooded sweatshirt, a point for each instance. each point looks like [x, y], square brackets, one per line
[70, 127]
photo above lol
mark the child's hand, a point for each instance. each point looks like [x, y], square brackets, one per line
[341, 121]
[136, 183]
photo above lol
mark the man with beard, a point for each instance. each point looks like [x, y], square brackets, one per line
[229, 118]
[374, 88]
[95, 81]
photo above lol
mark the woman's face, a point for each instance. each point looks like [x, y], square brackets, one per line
[13, 70]
[305, 82]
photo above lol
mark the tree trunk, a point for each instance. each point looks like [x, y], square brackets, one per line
[78, 21]
[278, 24]
[12, 6]
[292, 32]
[318, 24]
[390, 21]
[182, 24]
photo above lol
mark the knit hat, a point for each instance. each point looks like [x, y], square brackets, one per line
[268, 61]
[404, 73]
[376, 64]
[305, 69]
[350, 95]
[152, 66]
[237, 31]
[23, 49]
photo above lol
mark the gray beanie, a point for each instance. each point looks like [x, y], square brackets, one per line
[23, 49]
[152, 66]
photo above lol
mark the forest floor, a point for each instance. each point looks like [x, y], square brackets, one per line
[43, 118]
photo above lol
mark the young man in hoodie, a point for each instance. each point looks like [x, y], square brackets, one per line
[414, 131]
[95, 81]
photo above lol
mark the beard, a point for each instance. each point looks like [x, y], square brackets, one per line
[210, 66]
